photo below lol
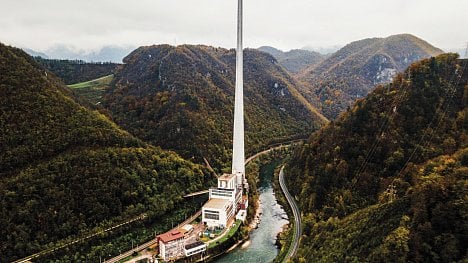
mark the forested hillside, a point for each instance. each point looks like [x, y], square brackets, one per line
[295, 60]
[66, 170]
[182, 98]
[368, 184]
[353, 71]
[424, 221]
[75, 71]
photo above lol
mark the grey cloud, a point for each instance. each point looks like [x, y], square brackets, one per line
[91, 24]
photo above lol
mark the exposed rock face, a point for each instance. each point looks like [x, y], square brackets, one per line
[353, 71]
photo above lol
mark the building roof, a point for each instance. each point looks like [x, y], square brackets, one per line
[186, 228]
[216, 203]
[194, 245]
[171, 236]
[226, 177]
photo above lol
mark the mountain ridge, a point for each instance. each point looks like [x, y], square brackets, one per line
[66, 170]
[403, 148]
[167, 95]
[353, 71]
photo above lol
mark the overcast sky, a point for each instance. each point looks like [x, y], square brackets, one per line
[286, 24]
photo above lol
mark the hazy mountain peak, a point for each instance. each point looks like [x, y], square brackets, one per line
[354, 70]
[110, 53]
[294, 60]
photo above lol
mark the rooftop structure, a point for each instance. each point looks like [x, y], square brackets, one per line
[170, 236]
[216, 203]
[226, 177]
[227, 181]
[171, 245]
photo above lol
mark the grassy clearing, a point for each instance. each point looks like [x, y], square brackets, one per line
[106, 80]
[231, 232]
[93, 89]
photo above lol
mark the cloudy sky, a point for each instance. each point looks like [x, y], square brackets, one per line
[286, 24]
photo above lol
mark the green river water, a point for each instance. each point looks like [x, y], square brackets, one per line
[262, 246]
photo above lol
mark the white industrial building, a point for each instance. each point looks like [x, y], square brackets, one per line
[171, 245]
[224, 201]
[217, 212]
[194, 248]
[228, 198]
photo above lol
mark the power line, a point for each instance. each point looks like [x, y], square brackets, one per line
[433, 118]
[384, 126]
[389, 116]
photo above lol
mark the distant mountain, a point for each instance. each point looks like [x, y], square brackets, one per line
[35, 53]
[353, 71]
[182, 98]
[295, 60]
[113, 54]
[75, 71]
[323, 50]
[67, 171]
[272, 51]
[386, 181]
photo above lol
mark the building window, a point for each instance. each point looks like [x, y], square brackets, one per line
[221, 193]
[211, 216]
[211, 211]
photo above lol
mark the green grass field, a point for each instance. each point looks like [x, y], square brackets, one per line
[231, 232]
[93, 89]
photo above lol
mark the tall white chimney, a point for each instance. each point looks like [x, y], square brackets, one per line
[238, 155]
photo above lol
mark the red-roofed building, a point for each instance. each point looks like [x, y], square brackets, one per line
[171, 245]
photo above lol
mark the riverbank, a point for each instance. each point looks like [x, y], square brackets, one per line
[268, 220]
[283, 239]
[266, 217]
[256, 218]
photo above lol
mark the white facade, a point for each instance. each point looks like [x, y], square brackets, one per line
[228, 194]
[227, 181]
[195, 248]
[227, 188]
[171, 245]
[241, 215]
[217, 212]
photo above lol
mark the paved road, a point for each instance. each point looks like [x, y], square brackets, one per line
[297, 218]
[197, 193]
[248, 160]
[282, 145]
[151, 242]
[50, 250]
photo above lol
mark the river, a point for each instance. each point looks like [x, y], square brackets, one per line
[262, 246]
